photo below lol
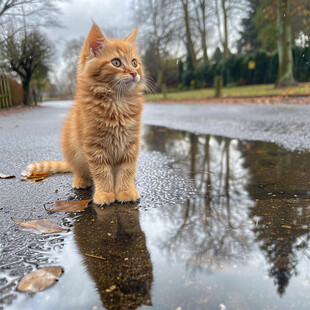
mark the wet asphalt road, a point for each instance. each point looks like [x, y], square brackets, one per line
[33, 135]
[288, 126]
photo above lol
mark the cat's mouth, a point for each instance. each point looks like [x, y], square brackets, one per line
[130, 84]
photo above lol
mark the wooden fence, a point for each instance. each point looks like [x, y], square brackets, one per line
[5, 93]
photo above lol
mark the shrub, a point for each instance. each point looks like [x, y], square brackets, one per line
[301, 58]
[235, 71]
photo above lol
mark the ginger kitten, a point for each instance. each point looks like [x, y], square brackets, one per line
[101, 136]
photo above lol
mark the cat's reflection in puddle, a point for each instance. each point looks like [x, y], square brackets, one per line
[116, 256]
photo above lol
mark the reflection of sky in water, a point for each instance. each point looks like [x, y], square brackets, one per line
[238, 235]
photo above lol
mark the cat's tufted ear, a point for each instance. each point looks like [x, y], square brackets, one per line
[96, 40]
[132, 37]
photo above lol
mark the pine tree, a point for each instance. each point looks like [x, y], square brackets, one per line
[249, 33]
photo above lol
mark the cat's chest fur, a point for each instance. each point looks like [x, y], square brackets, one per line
[112, 125]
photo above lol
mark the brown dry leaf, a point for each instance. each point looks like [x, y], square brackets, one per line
[69, 206]
[35, 176]
[44, 226]
[39, 279]
[4, 176]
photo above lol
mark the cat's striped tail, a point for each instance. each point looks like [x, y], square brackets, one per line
[49, 166]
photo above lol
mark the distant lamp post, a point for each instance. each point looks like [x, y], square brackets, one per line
[251, 65]
[248, 47]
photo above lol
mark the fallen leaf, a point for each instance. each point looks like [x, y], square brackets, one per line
[39, 279]
[35, 176]
[4, 176]
[69, 206]
[44, 226]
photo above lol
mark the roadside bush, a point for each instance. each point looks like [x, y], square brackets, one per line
[266, 68]
[301, 58]
[235, 69]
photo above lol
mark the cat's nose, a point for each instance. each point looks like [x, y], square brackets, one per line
[133, 74]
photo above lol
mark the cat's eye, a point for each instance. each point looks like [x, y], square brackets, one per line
[134, 63]
[116, 62]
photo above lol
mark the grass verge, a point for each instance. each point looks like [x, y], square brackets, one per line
[240, 91]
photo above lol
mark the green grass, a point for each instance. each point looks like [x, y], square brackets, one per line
[240, 91]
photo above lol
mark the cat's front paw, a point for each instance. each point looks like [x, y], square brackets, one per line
[103, 198]
[128, 195]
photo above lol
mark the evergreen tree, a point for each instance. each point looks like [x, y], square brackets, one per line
[180, 70]
[217, 56]
[249, 33]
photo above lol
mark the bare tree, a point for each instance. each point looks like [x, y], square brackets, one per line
[24, 53]
[226, 12]
[70, 57]
[201, 14]
[188, 32]
[157, 24]
[17, 15]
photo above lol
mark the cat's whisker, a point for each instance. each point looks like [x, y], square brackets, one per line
[149, 85]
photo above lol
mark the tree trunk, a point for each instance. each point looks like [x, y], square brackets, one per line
[284, 41]
[26, 88]
[159, 77]
[204, 32]
[226, 52]
[189, 41]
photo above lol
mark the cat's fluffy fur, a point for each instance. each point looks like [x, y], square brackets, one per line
[101, 136]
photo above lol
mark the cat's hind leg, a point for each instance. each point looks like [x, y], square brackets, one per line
[81, 180]
[80, 169]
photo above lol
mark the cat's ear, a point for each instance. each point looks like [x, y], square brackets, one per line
[132, 37]
[96, 40]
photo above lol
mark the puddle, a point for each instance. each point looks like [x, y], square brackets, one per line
[222, 224]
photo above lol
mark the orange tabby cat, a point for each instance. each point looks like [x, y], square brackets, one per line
[101, 136]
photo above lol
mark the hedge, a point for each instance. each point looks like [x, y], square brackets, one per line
[235, 69]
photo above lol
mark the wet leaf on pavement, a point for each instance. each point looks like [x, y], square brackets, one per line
[43, 226]
[4, 176]
[35, 176]
[39, 279]
[69, 206]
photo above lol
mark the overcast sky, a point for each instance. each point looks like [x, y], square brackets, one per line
[76, 19]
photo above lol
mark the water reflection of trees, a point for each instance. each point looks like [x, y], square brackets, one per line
[116, 256]
[248, 191]
[280, 185]
[212, 228]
